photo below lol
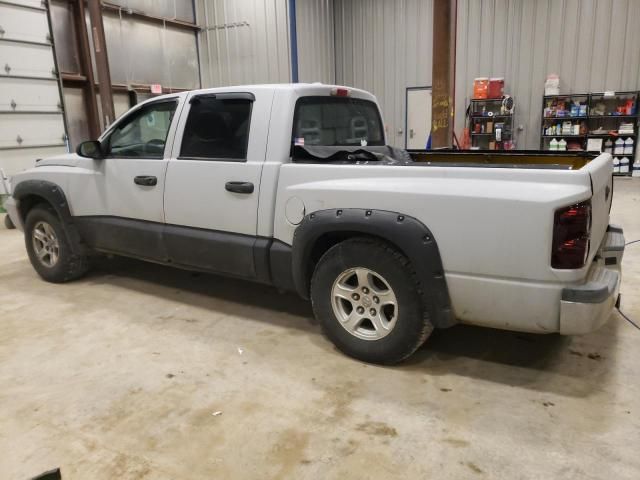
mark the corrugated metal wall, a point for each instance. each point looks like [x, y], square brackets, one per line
[384, 47]
[243, 42]
[316, 50]
[594, 45]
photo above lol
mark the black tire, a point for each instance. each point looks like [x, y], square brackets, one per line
[69, 265]
[8, 223]
[412, 324]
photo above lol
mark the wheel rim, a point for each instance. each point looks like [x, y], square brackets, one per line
[45, 244]
[364, 303]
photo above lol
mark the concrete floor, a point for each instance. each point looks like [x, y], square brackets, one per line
[117, 376]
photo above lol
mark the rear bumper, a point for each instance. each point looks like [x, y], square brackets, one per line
[587, 306]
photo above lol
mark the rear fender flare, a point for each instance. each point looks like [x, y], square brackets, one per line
[406, 233]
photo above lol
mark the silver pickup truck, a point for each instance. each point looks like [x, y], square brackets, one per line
[294, 186]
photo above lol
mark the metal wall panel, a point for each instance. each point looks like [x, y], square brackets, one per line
[316, 50]
[174, 9]
[594, 45]
[169, 53]
[384, 47]
[243, 42]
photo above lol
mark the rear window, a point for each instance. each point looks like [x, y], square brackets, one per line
[333, 121]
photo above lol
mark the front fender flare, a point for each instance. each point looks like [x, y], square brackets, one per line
[54, 195]
[408, 234]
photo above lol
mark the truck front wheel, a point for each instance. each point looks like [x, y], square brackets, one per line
[366, 296]
[49, 250]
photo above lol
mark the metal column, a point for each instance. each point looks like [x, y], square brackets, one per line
[443, 72]
[102, 62]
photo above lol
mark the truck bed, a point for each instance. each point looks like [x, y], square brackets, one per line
[504, 159]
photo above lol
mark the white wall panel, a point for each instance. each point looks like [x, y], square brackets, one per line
[243, 42]
[384, 47]
[594, 45]
[316, 50]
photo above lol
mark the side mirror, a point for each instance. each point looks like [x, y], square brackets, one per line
[90, 149]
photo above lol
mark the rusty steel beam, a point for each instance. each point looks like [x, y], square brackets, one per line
[86, 69]
[102, 62]
[443, 72]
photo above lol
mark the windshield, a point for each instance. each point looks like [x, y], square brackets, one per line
[334, 121]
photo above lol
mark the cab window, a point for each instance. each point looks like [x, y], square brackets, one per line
[144, 133]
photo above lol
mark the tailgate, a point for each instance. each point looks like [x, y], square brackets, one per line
[601, 173]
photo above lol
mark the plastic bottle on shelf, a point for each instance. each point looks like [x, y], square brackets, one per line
[628, 146]
[616, 165]
[619, 148]
[608, 146]
[562, 144]
[553, 144]
[624, 165]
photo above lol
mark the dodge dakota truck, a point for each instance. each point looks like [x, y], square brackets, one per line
[295, 186]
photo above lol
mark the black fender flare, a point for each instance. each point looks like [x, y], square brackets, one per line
[54, 195]
[408, 234]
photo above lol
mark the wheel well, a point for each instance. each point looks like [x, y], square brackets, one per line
[28, 202]
[328, 240]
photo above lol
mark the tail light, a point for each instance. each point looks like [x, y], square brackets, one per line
[340, 92]
[571, 235]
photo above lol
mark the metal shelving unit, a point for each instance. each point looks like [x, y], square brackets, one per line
[600, 111]
[485, 114]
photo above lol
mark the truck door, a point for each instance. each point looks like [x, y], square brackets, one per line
[118, 201]
[213, 181]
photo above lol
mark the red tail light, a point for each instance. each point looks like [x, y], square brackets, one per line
[571, 233]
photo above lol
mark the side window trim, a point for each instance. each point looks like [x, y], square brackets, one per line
[105, 138]
[248, 96]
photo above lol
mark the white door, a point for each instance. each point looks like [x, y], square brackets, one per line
[119, 206]
[418, 117]
[213, 181]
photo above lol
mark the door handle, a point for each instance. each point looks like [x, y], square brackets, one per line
[239, 187]
[146, 180]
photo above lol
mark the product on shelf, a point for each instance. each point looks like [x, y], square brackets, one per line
[496, 87]
[619, 147]
[480, 88]
[628, 146]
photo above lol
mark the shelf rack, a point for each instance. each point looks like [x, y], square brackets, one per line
[609, 121]
[492, 115]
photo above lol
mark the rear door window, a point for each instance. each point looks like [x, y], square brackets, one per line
[217, 129]
[335, 121]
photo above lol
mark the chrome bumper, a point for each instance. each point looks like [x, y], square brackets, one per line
[586, 307]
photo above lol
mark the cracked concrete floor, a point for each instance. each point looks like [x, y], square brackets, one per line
[119, 376]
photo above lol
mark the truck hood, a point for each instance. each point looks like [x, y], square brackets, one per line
[65, 160]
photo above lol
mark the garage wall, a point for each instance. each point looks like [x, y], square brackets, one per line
[594, 45]
[243, 42]
[316, 50]
[384, 47]
[31, 110]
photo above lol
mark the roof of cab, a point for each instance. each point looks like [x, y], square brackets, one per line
[294, 87]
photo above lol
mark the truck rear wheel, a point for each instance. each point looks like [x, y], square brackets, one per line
[366, 296]
[49, 250]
